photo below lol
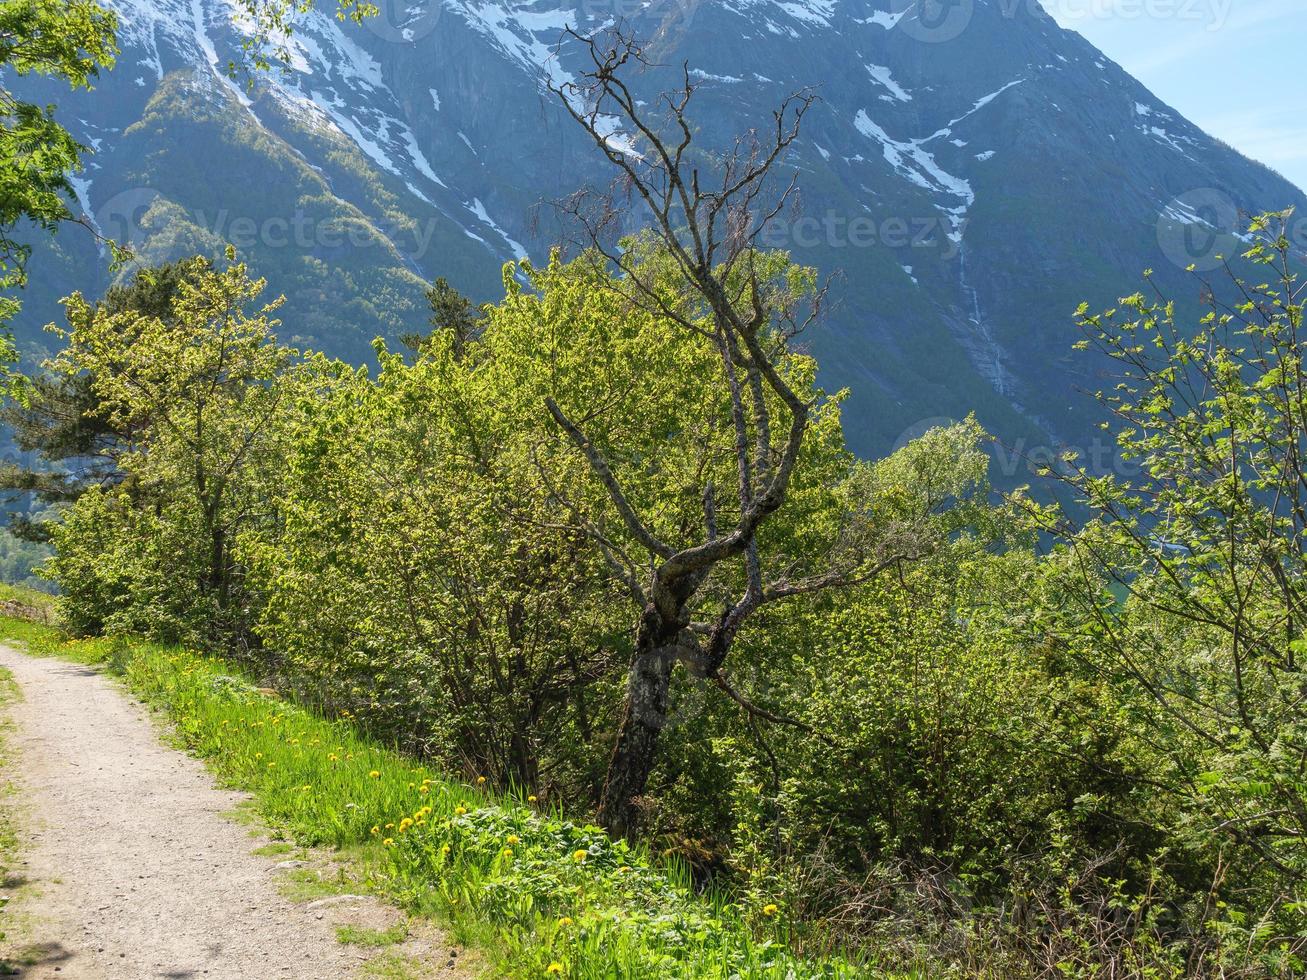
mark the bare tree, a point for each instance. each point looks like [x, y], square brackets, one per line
[707, 222]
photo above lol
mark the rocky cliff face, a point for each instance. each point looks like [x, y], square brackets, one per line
[972, 170]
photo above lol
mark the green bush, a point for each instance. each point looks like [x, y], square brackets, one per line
[1012, 747]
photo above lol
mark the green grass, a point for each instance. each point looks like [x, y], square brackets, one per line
[372, 938]
[528, 887]
[307, 885]
[245, 813]
[392, 965]
[275, 849]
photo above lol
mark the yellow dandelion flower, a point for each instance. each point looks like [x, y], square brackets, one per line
[770, 910]
[554, 967]
[481, 780]
[424, 789]
[507, 852]
[374, 774]
[530, 799]
[513, 839]
[445, 849]
[565, 921]
[579, 856]
[388, 842]
[460, 810]
[405, 824]
[390, 826]
[376, 831]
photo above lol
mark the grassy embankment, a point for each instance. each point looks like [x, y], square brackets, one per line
[538, 894]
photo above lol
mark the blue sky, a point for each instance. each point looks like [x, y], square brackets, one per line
[1237, 68]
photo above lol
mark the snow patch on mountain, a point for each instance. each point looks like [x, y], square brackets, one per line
[884, 77]
[912, 161]
[305, 110]
[526, 37]
[144, 24]
[976, 106]
[479, 209]
[816, 12]
[321, 46]
[82, 192]
[419, 159]
[703, 76]
[885, 18]
[1182, 213]
[345, 122]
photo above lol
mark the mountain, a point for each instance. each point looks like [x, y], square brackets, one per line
[972, 170]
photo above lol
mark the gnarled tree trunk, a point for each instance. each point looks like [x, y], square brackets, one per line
[636, 748]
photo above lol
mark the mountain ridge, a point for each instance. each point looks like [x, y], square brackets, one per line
[973, 181]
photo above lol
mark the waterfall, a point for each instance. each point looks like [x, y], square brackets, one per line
[985, 351]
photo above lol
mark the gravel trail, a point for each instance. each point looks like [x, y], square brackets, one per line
[127, 868]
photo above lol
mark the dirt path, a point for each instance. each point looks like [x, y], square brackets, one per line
[127, 868]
